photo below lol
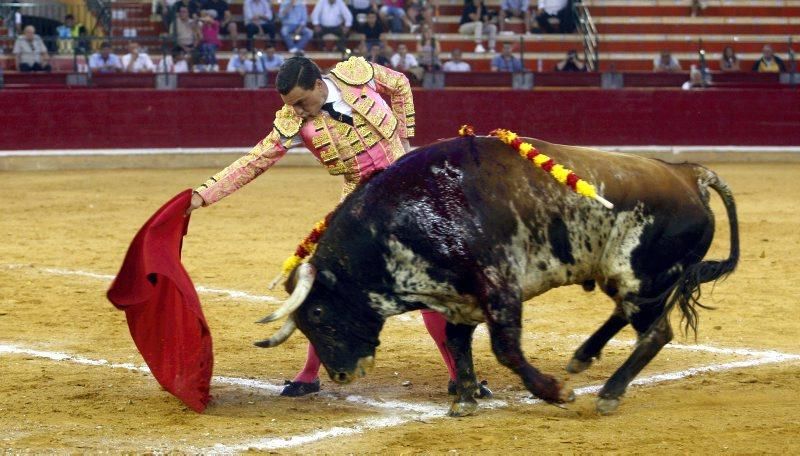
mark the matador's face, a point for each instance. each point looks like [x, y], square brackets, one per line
[307, 103]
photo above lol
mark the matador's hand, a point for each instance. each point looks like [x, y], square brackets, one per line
[197, 201]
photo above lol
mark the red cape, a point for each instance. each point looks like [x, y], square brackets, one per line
[162, 307]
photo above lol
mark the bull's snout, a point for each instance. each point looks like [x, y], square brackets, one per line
[364, 364]
[342, 377]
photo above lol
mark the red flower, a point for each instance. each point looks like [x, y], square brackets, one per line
[301, 251]
[532, 154]
[314, 236]
[516, 143]
[572, 180]
[548, 165]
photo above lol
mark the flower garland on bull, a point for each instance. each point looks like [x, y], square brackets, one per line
[560, 173]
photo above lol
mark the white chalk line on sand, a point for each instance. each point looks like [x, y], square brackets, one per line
[406, 412]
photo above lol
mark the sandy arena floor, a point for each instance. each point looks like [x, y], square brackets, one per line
[64, 235]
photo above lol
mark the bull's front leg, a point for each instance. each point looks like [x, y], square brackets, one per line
[459, 342]
[504, 318]
[592, 347]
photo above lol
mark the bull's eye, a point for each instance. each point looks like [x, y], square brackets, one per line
[316, 315]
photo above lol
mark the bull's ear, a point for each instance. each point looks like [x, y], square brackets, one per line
[328, 278]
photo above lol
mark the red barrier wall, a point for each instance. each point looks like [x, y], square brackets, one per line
[101, 118]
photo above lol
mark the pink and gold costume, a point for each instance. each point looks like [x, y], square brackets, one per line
[371, 144]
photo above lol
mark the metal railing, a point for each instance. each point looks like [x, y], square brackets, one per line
[589, 33]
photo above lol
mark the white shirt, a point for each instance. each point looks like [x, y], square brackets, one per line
[409, 62]
[456, 67]
[254, 8]
[141, 65]
[328, 15]
[166, 65]
[552, 7]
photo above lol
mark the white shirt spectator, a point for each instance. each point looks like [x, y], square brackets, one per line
[98, 63]
[142, 64]
[456, 67]
[552, 7]
[521, 5]
[334, 15]
[166, 65]
[409, 62]
[241, 65]
[253, 8]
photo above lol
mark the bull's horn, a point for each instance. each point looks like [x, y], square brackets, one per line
[305, 278]
[279, 337]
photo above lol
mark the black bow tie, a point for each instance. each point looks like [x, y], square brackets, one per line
[328, 107]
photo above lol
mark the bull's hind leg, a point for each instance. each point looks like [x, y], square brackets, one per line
[592, 347]
[459, 341]
[504, 318]
[654, 332]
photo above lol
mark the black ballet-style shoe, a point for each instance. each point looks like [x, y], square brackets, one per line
[296, 389]
[483, 390]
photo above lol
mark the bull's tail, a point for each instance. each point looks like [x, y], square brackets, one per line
[686, 291]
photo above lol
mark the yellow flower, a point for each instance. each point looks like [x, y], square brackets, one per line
[290, 264]
[585, 188]
[540, 159]
[524, 148]
[560, 173]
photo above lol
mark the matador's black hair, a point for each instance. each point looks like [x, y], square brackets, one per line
[297, 72]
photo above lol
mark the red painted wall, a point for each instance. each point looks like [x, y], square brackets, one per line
[134, 118]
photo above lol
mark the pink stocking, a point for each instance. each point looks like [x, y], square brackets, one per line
[435, 323]
[311, 370]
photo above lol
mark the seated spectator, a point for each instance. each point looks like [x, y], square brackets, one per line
[729, 62]
[227, 26]
[258, 18]
[666, 63]
[769, 62]
[515, 8]
[105, 61]
[375, 56]
[393, 12]
[175, 63]
[372, 29]
[555, 9]
[193, 6]
[364, 7]
[428, 50]
[294, 17]
[506, 61]
[405, 62]
[209, 38]
[697, 7]
[270, 61]
[69, 35]
[184, 29]
[239, 63]
[30, 51]
[571, 62]
[331, 17]
[475, 21]
[695, 79]
[136, 61]
[456, 65]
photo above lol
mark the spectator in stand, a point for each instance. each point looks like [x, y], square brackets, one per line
[209, 38]
[239, 63]
[193, 6]
[372, 29]
[105, 61]
[769, 62]
[729, 62]
[30, 51]
[375, 56]
[184, 29]
[294, 17]
[136, 61]
[405, 62]
[666, 63]
[695, 79]
[475, 21]
[506, 60]
[227, 26]
[331, 17]
[555, 9]
[270, 61]
[175, 63]
[393, 12]
[428, 50]
[515, 8]
[362, 7]
[258, 18]
[69, 35]
[571, 62]
[456, 65]
[697, 7]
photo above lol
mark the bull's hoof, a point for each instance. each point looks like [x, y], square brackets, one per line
[576, 366]
[296, 389]
[606, 406]
[483, 391]
[458, 409]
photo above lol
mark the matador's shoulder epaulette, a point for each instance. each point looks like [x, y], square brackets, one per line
[287, 122]
[354, 71]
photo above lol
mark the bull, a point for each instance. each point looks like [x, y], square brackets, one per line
[468, 228]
